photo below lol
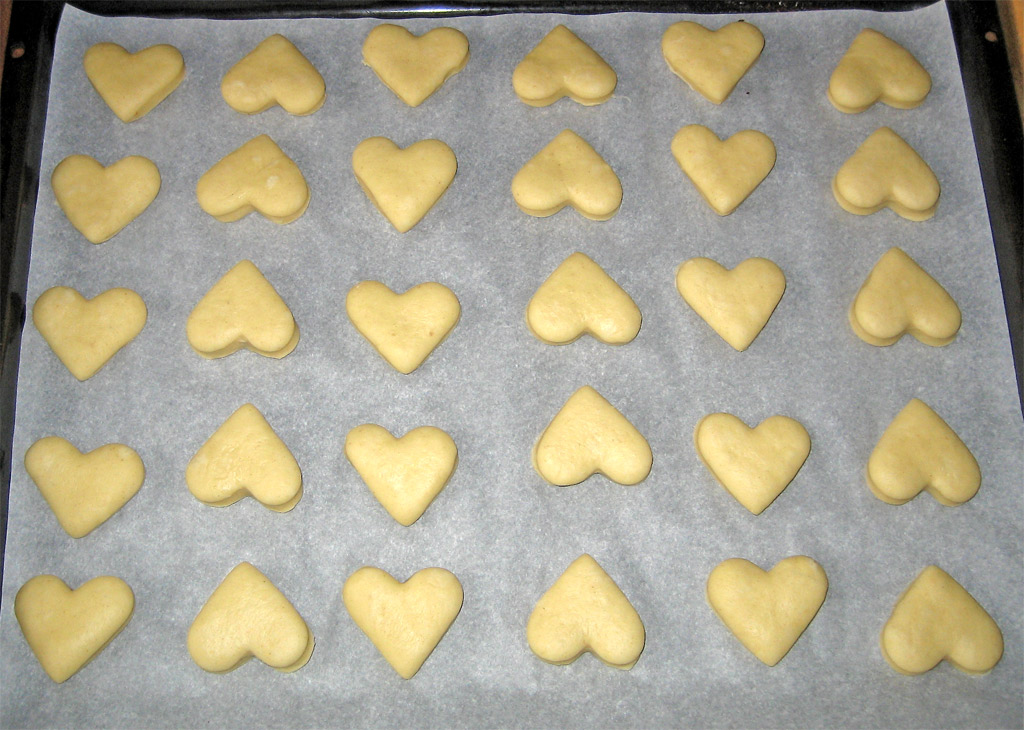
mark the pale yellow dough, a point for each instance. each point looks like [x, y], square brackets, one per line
[67, 628]
[590, 436]
[568, 171]
[886, 172]
[899, 297]
[100, 201]
[86, 333]
[403, 183]
[580, 298]
[274, 73]
[84, 490]
[767, 610]
[405, 621]
[919, 451]
[246, 617]
[404, 328]
[875, 68]
[935, 618]
[245, 458]
[711, 61]
[753, 464]
[586, 611]
[725, 172]
[242, 310]
[132, 84]
[563, 65]
[258, 176]
[737, 303]
[414, 67]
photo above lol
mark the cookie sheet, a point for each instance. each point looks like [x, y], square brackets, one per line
[505, 533]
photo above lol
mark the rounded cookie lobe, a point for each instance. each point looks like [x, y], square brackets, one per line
[132, 84]
[414, 67]
[274, 73]
[563, 65]
[876, 68]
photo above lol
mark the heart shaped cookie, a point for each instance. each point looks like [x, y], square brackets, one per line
[580, 298]
[753, 464]
[274, 73]
[711, 62]
[936, 619]
[737, 303]
[100, 201]
[586, 611]
[899, 297]
[246, 617]
[404, 328]
[767, 611]
[86, 333]
[404, 474]
[875, 68]
[257, 176]
[403, 183]
[84, 490]
[886, 172]
[590, 436]
[405, 621]
[414, 67]
[245, 458]
[563, 65]
[67, 628]
[242, 310]
[568, 171]
[919, 451]
[725, 172]
[133, 83]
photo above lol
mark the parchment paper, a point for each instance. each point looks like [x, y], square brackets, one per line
[504, 532]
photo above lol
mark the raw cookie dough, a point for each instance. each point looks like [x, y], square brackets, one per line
[753, 464]
[711, 61]
[580, 298]
[245, 458]
[767, 611]
[403, 183]
[738, 302]
[563, 65]
[404, 474]
[405, 621]
[84, 490]
[258, 176]
[589, 436]
[725, 172]
[900, 297]
[274, 73]
[133, 83]
[242, 310]
[67, 628]
[568, 171]
[876, 68]
[886, 172]
[919, 451]
[414, 67]
[586, 611]
[404, 328]
[86, 333]
[100, 201]
[935, 618]
[246, 617]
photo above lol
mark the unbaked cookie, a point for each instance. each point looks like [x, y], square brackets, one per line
[586, 611]
[405, 621]
[725, 172]
[414, 67]
[563, 65]
[133, 83]
[568, 171]
[711, 61]
[84, 490]
[875, 68]
[246, 617]
[274, 73]
[86, 333]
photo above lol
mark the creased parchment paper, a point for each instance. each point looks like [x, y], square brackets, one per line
[505, 533]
